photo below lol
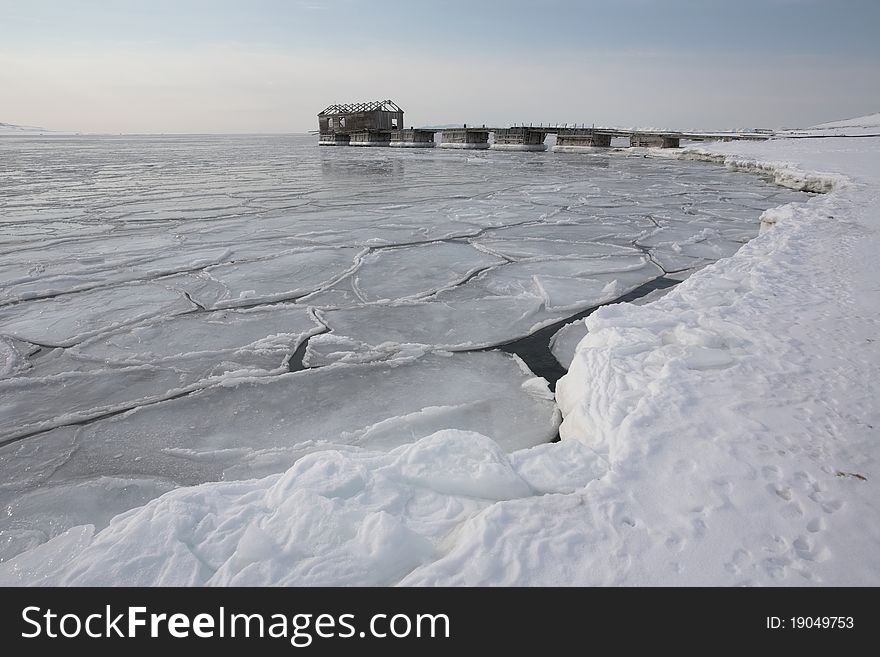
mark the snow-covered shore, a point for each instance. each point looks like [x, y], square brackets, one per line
[12, 129]
[724, 434]
[738, 411]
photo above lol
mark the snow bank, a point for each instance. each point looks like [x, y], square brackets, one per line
[735, 411]
[783, 174]
[334, 518]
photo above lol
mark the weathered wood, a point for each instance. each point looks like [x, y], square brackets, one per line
[356, 117]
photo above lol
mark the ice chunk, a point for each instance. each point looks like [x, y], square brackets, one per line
[29, 404]
[71, 318]
[28, 463]
[491, 320]
[276, 330]
[417, 270]
[586, 232]
[42, 279]
[541, 248]
[565, 341]
[281, 277]
[13, 356]
[501, 305]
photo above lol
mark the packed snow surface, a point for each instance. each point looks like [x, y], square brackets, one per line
[305, 345]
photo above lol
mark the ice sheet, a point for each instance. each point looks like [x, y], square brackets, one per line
[246, 427]
[281, 277]
[272, 330]
[68, 319]
[502, 304]
[203, 269]
[417, 270]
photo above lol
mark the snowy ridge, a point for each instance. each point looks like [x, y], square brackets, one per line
[867, 121]
[12, 129]
[784, 174]
[724, 434]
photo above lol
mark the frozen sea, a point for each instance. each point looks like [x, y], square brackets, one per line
[176, 310]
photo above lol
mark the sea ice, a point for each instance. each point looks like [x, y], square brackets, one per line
[245, 427]
[156, 291]
[68, 319]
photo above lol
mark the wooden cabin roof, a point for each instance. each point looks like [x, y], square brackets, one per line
[370, 106]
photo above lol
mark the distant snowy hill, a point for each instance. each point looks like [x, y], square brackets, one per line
[869, 121]
[11, 129]
[860, 126]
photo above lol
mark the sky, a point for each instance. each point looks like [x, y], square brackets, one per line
[215, 66]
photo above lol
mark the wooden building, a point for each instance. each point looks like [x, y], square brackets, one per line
[370, 122]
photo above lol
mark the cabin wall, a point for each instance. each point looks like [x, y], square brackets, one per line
[357, 121]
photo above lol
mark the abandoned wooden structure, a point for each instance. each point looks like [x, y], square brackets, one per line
[374, 123]
[349, 117]
[380, 123]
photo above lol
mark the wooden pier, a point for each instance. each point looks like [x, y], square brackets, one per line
[380, 123]
[466, 138]
[519, 139]
[576, 139]
[412, 138]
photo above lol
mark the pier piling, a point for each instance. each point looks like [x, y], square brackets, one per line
[466, 138]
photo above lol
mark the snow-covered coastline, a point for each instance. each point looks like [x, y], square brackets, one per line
[737, 411]
[724, 434]
[23, 130]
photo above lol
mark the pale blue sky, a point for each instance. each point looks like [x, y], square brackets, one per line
[271, 65]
